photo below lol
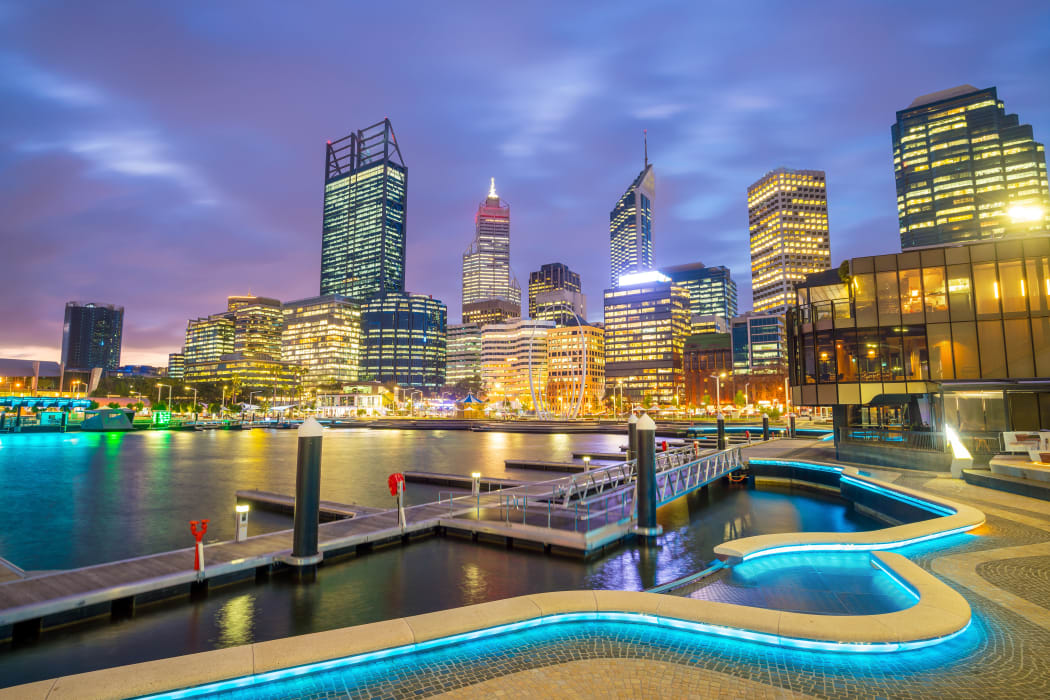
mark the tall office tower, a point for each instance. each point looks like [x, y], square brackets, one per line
[208, 339]
[405, 340]
[322, 336]
[788, 219]
[363, 231]
[464, 353]
[759, 344]
[966, 170]
[514, 361]
[91, 335]
[562, 306]
[646, 325]
[176, 365]
[490, 292]
[257, 325]
[712, 290]
[631, 226]
[549, 278]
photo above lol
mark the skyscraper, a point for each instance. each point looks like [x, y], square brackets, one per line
[966, 170]
[551, 277]
[363, 230]
[631, 227]
[712, 291]
[788, 220]
[91, 335]
[490, 292]
[405, 340]
[257, 326]
[464, 354]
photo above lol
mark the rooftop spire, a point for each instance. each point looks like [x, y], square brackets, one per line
[492, 190]
[645, 138]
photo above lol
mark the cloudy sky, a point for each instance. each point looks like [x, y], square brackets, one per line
[165, 155]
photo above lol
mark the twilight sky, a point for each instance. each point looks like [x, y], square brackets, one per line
[165, 155]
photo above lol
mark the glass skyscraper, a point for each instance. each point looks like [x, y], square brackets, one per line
[550, 278]
[363, 230]
[91, 335]
[966, 170]
[787, 214]
[712, 291]
[631, 227]
[322, 336]
[405, 340]
[487, 277]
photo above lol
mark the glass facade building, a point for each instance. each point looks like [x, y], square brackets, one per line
[176, 365]
[257, 325]
[486, 265]
[322, 336]
[575, 368]
[966, 170]
[208, 338]
[759, 344]
[405, 340]
[706, 354]
[646, 325]
[464, 353]
[953, 336]
[631, 228]
[564, 307]
[363, 229]
[92, 335]
[787, 214]
[712, 291]
[514, 361]
[551, 277]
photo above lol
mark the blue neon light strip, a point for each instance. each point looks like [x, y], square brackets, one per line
[895, 578]
[935, 508]
[855, 546]
[801, 465]
[638, 618]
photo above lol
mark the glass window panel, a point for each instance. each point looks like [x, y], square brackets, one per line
[1012, 287]
[916, 359]
[1041, 343]
[1019, 359]
[892, 357]
[808, 363]
[825, 358]
[993, 355]
[940, 340]
[964, 351]
[986, 289]
[1038, 287]
[936, 295]
[960, 293]
[846, 355]
[911, 296]
[864, 297]
[888, 297]
[869, 360]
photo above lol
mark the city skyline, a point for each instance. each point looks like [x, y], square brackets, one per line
[143, 200]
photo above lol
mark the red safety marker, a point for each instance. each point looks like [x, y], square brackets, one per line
[664, 444]
[696, 448]
[198, 552]
[393, 481]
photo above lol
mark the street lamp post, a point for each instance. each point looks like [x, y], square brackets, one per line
[159, 385]
[718, 390]
[410, 397]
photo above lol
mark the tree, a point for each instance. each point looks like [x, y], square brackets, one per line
[647, 401]
[113, 404]
[94, 405]
[706, 399]
[739, 400]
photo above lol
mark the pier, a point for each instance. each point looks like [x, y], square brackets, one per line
[280, 503]
[578, 514]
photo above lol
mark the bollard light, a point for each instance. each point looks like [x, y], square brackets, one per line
[475, 483]
[240, 522]
[586, 462]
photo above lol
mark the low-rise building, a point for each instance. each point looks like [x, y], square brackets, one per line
[575, 368]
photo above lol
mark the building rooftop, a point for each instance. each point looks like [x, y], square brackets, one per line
[957, 91]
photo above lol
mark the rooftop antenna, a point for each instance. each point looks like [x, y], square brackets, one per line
[645, 138]
[492, 190]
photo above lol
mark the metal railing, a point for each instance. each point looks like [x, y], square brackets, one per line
[932, 441]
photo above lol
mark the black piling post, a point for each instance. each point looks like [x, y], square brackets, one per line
[305, 554]
[647, 526]
[765, 426]
[721, 432]
[791, 425]
[632, 437]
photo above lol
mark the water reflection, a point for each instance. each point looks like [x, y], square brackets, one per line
[236, 621]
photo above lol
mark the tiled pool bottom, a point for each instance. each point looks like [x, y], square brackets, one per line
[824, 583]
[436, 671]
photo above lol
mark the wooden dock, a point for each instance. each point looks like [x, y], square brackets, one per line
[488, 483]
[579, 514]
[605, 456]
[280, 503]
[568, 467]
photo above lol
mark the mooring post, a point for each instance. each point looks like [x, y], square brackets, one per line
[632, 437]
[647, 527]
[721, 432]
[307, 498]
[791, 425]
[765, 427]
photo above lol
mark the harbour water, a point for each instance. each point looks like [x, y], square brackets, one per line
[148, 485]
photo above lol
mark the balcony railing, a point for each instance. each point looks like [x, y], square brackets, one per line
[897, 437]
